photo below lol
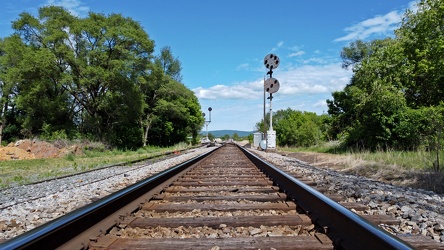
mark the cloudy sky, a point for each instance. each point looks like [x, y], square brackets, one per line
[222, 45]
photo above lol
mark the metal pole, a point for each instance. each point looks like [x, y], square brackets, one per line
[264, 126]
[271, 114]
[206, 128]
[208, 122]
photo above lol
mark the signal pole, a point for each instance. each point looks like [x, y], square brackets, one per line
[271, 85]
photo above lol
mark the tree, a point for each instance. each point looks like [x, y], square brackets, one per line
[422, 39]
[171, 111]
[297, 128]
[236, 137]
[225, 137]
[171, 66]
[176, 115]
[371, 106]
[355, 53]
[91, 64]
[93, 75]
[11, 52]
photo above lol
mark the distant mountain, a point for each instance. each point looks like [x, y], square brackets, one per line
[220, 133]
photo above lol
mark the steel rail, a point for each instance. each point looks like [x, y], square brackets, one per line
[58, 232]
[347, 229]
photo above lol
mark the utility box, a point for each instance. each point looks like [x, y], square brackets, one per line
[257, 138]
[271, 139]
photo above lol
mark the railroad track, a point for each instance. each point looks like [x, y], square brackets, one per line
[227, 199]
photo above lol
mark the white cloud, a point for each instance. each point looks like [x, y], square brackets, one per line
[244, 66]
[311, 79]
[320, 103]
[302, 80]
[76, 7]
[298, 53]
[379, 25]
[234, 91]
[279, 45]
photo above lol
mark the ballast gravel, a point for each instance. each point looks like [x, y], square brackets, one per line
[25, 207]
[420, 211]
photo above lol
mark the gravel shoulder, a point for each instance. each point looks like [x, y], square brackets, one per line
[420, 211]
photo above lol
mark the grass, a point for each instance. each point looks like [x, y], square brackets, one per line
[416, 169]
[419, 160]
[20, 172]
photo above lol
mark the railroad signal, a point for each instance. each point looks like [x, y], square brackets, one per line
[271, 85]
[271, 61]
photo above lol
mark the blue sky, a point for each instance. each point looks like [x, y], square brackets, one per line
[222, 44]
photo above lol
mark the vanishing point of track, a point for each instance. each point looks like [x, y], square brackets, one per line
[225, 199]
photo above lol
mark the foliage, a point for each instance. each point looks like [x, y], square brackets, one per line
[95, 76]
[297, 128]
[422, 39]
[394, 99]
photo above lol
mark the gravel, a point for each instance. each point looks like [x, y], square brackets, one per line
[25, 207]
[420, 211]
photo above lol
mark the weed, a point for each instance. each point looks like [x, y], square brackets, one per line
[70, 157]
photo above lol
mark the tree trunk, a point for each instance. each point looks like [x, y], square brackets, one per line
[146, 129]
[1, 132]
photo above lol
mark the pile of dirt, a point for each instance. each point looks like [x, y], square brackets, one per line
[35, 149]
[14, 153]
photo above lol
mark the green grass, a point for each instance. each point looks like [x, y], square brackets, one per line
[20, 172]
[407, 159]
[419, 160]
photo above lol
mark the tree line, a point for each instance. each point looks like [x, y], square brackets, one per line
[394, 98]
[93, 77]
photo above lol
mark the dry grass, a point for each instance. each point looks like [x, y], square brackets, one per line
[380, 166]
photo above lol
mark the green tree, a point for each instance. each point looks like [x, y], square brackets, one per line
[236, 137]
[92, 64]
[168, 100]
[93, 75]
[171, 66]
[355, 53]
[422, 39]
[11, 54]
[176, 115]
[297, 128]
[369, 109]
[432, 132]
